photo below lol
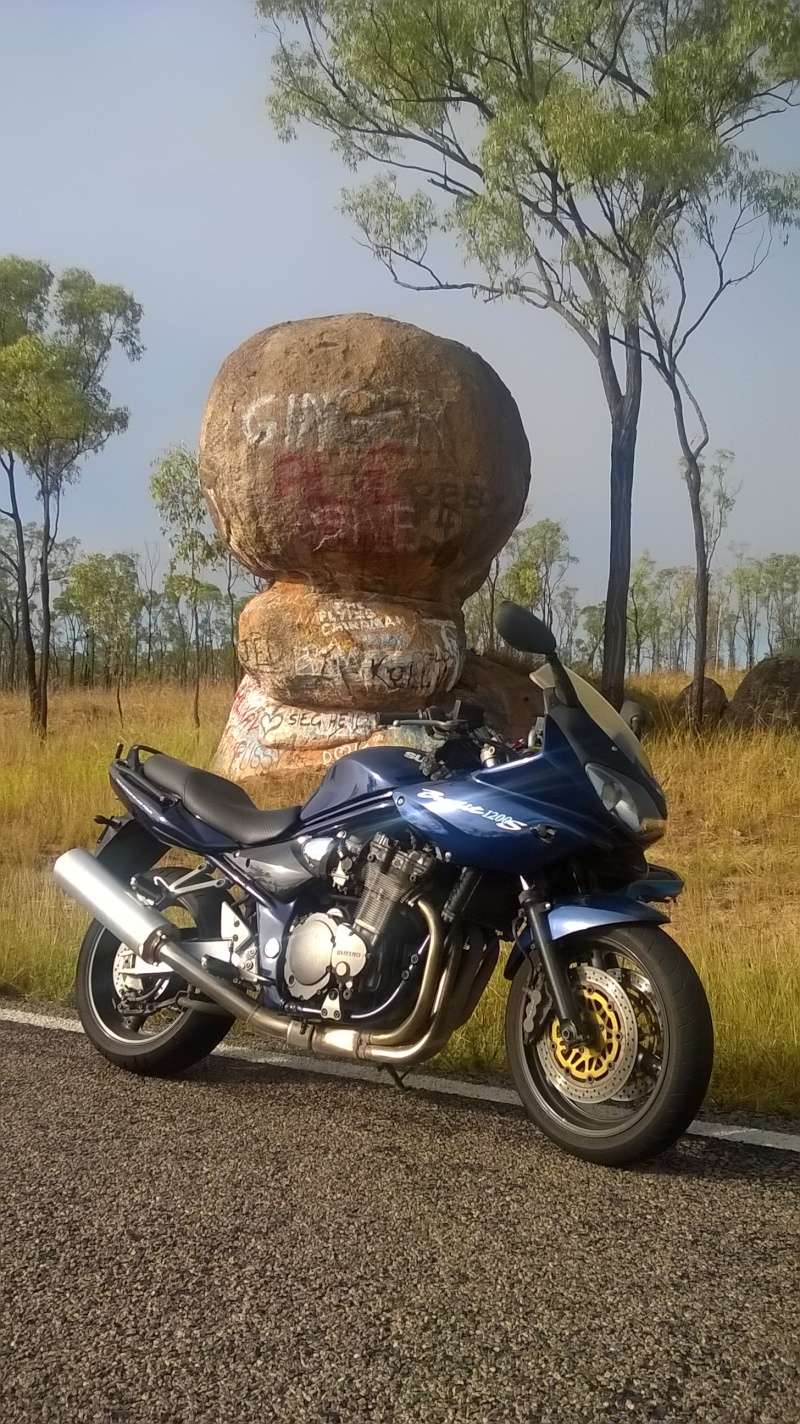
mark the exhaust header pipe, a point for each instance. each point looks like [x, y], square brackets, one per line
[149, 934]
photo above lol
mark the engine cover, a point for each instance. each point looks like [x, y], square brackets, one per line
[320, 948]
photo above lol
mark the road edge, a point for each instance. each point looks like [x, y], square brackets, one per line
[738, 1133]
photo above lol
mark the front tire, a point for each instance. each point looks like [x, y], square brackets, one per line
[638, 1088]
[181, 1038]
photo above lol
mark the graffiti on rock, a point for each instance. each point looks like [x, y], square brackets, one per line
[358, 649]
[353, 418]
[260, 733]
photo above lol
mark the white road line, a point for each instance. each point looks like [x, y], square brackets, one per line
[68, 1025]
[425, 1082]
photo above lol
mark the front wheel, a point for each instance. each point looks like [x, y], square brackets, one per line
[635, 1088]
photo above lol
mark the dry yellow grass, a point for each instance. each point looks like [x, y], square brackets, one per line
[734, 834]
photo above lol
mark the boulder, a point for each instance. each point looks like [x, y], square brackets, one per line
[511, 701]
[280, 751]
[637, 716]
[371, 471]
[715, 702]
[769, 695]
[310, 648]
[363, 454]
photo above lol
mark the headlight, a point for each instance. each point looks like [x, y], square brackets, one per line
[627, 801]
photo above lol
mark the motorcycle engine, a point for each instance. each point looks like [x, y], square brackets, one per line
[321, 948]
[327, 950]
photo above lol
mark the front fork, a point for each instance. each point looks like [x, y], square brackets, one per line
[571, 1022]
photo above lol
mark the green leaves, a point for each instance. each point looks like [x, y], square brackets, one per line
[56, 338]
[24, 294]
[558, 139]
[392, 224]
[175, 487]
[41, 406]
[102, 591]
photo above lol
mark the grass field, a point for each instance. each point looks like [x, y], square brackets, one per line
[734, 834]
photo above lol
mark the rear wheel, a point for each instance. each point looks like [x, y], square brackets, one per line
[133, 1019]
[631, 1093]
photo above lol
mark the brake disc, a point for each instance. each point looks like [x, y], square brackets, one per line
[650, 1030]
[593, 1073]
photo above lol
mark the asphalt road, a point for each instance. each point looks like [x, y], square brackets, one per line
[251, 1244]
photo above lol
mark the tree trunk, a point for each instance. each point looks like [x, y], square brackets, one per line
[615, 628]
[28, 647]
[701, 582]
[119, 696]
[44, 643]
[232, 617]
[691, 454]
[731, 649]
[196, 701]
[624, 410]
[494, 575]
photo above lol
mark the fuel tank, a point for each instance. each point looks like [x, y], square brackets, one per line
[364, 773]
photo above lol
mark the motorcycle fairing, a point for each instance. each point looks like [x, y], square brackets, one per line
[516, 817]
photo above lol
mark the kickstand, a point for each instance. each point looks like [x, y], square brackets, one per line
[396, 1077]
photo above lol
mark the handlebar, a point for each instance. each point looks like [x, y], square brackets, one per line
[436, 724]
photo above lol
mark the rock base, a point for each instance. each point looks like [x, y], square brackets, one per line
[279, 752]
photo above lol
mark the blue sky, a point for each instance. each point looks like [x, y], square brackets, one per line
[135, 143]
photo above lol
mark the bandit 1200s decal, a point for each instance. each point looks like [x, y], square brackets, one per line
[506, 823]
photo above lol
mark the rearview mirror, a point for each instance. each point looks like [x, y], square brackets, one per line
[522, 630]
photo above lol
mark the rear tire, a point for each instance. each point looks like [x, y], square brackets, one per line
[622, 1130]
[192, 1035]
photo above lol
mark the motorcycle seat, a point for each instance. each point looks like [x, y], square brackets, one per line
[222, 804]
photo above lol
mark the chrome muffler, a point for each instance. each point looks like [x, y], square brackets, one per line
[150, 935]
[142, 929]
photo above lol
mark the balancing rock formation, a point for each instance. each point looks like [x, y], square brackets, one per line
[369, 471]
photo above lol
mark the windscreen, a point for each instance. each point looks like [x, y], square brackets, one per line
[600, 711]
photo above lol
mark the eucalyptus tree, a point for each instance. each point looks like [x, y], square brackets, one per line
[781, 581]
[747, 587]
[480, 608]
[530, 570]
[718, 239]
[589, 646]
[9, 609]
[644, 613]
[102, 593]
[539, 560]
[57, 336]
[566, 619]
[175, 487]
[556, 139]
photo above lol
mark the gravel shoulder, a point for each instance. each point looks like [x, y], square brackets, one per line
[250, 1243]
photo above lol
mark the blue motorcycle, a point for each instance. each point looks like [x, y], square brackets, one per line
[366, 924]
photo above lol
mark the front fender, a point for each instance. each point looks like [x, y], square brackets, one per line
[596, 912]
